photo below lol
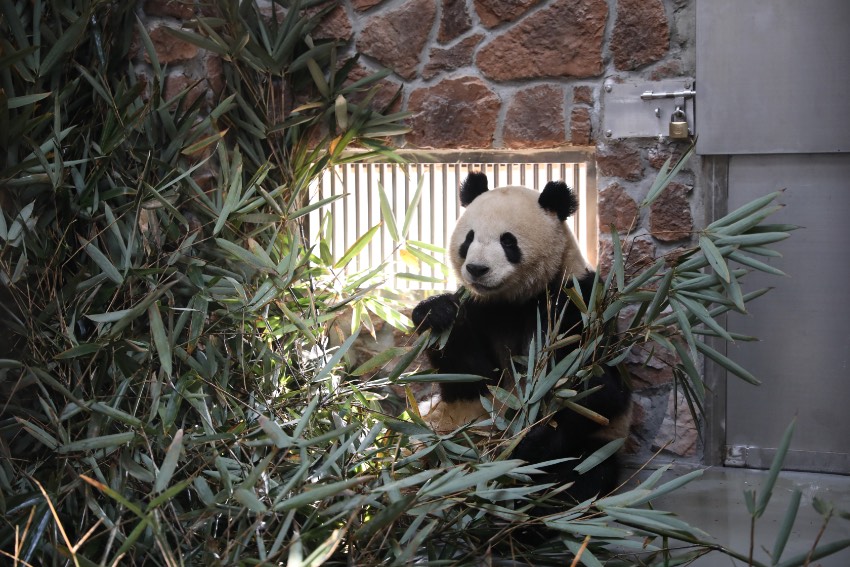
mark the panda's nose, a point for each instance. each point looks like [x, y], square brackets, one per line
[477, 270]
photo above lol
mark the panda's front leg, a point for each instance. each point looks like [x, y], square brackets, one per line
[436, 313]
[458, 403]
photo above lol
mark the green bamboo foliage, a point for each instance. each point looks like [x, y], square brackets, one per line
[171, 394]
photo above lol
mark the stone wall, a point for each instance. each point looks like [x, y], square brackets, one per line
[522, 74]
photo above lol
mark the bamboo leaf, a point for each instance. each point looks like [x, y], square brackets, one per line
[714, 257]
[744, 211]
[600, 455]
[334, 360]
[83, 349]
[275, 432]
[64, 45]
[505, 397]
[665, 175]
[160, 339]
[341, 112]
[199, 41]
[313, 206]
[775, 467]
[103, 442]
[411, 211]
[325, 550]
[727, 363]
[379, 360]
[618, 264]
[115, 413]
[249, 499]
[38, 433]
[653, 521]
[388, 515]
[169, 463]
[19, 101]
[245, 255]
[102, 261]
[357, 247]
[483, 473]
[319, 493]
[387, 213]
[660, 298]
[786, 527]
[110, 317]
[417, 378]
[820, 551]
[757, 239]
[751, 262]
[703, 315]
[116, 496]
[318, 77]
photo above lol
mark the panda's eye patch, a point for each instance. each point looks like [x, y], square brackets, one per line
[511, 247]
[470, 236]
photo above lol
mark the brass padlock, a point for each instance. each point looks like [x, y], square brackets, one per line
[679, 124]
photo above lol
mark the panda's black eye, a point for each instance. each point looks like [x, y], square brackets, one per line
[511, 247]
[470, 236]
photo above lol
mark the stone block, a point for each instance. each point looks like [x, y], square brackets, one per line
[455, 113]
[617, 208]
[581, 126]
[335, 25]
[454, 21]
[670, 218]
[215, 74]
[535, 118]
[495, 12]
[638, 254]
[666, 70]
[657, 156]
[383, 99]
[618, 159]
[169, 48]
[363, 5]
[641, 34]
[455, 57]
[397, 39]
[583, 94]
[561, 40]
[180, 9]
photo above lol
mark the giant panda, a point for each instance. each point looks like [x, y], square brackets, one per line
[515, 257]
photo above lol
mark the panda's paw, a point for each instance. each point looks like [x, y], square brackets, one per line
[436, 313]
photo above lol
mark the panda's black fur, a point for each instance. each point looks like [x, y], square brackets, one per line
[491, 324]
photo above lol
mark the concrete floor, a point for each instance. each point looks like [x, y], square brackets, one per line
[715, 504]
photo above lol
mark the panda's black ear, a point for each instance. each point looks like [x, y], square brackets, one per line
[474, 185]
[558, 198]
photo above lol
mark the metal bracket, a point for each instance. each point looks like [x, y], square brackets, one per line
[643, 110]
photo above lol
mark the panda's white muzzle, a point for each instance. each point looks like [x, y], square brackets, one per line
[485, 268]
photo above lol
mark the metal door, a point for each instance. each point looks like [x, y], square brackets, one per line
[803, 357]
[771, 82]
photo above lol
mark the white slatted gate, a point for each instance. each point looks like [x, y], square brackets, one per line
[352, 215]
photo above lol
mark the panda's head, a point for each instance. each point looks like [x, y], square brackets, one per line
[511, 242]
